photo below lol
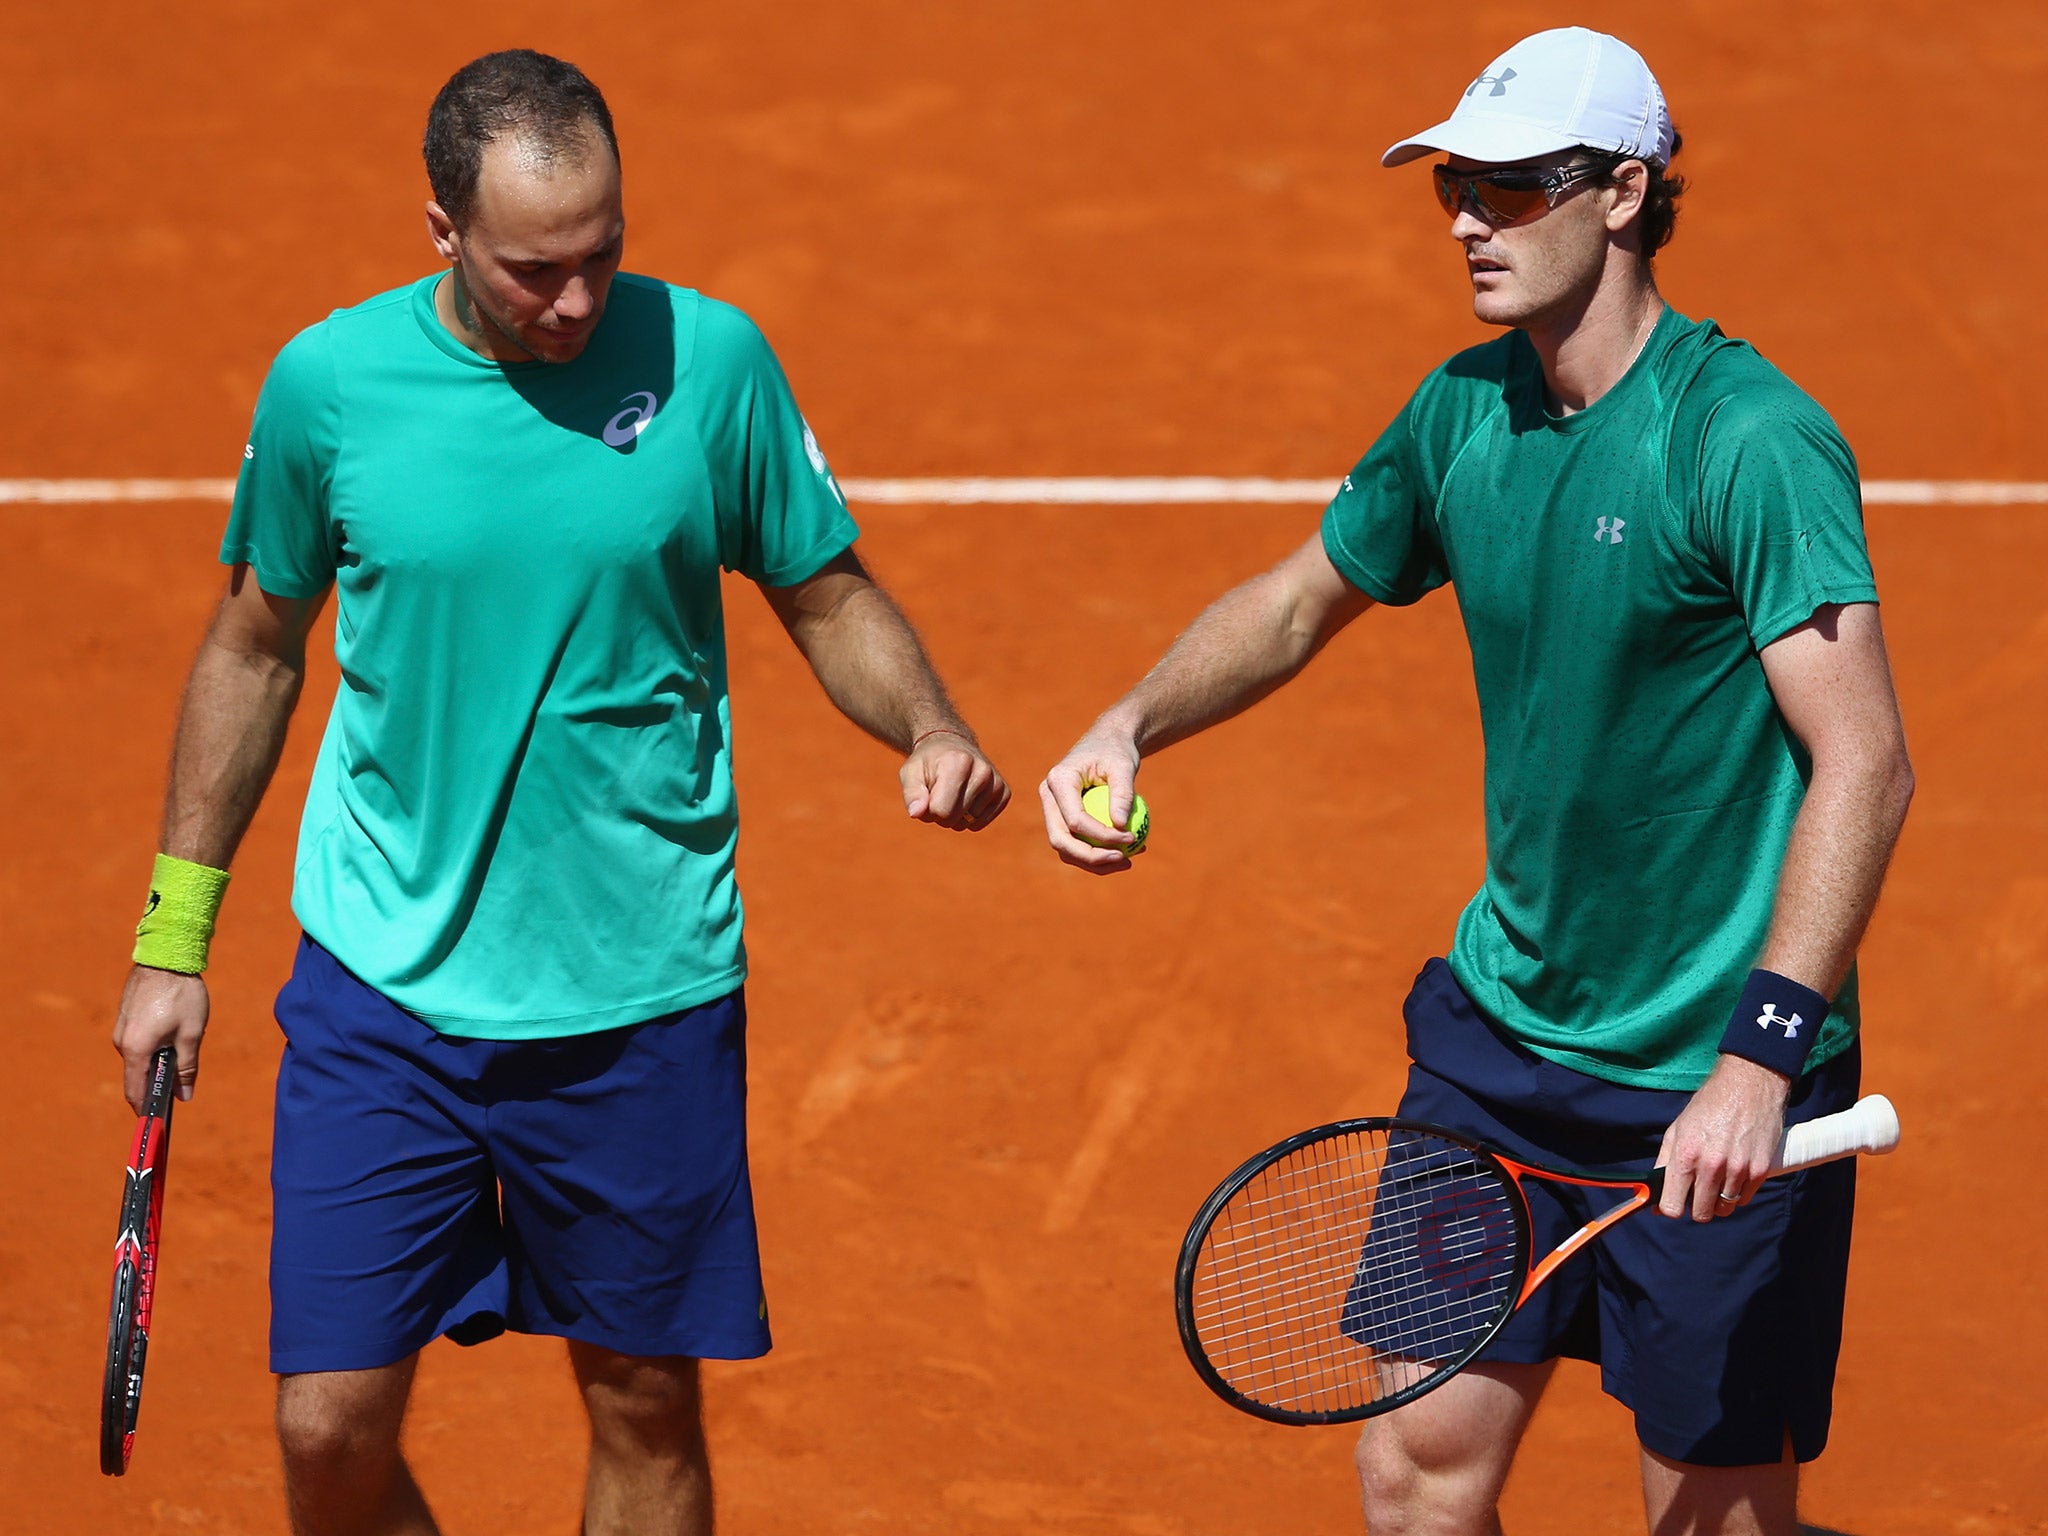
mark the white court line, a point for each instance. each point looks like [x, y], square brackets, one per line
[1083, 490]
[1978, 493]
[1092, 491]
[96, 491]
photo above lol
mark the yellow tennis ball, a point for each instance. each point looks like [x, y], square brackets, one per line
[1095, 801]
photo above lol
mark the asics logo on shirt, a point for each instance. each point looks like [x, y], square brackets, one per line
[1608, 530]
[1499, 83]
[1769, 1017]
[620, 431]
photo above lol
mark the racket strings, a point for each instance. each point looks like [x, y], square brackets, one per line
[1355, 1268]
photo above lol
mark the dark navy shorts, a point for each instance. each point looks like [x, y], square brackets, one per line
[1720, 1336]
[593, 1187]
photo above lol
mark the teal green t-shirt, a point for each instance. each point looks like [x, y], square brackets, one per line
[1618, 571]
[521, 822]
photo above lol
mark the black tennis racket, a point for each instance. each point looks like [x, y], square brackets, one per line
[135, 1259]
[1352, 1268]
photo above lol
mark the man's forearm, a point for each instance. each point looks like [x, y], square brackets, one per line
[874, 669]
[1835, 863]
[1240, 648]
[231, 730]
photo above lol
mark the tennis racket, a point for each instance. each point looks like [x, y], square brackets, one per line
[1354, 1267]
[135, 1258]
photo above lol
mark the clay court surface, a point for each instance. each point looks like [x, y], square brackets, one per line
[1035, 237]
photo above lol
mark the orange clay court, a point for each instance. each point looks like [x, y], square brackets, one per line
[1047, 237]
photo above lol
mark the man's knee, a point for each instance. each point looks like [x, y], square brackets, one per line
[653, 1401]
[1428, 1482]
[1729, 1501]
[1438, 1464]
[1388, 1476]
[341, 1422]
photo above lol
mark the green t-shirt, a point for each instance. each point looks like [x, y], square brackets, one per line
[521, 823]
[1618, 571]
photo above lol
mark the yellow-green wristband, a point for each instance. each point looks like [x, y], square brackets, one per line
[177, 925]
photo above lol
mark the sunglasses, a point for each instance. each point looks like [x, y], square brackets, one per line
[1507, 197]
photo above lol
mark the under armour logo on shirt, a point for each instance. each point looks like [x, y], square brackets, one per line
[1770, 1016]
[1609, 530]
[1499, 83]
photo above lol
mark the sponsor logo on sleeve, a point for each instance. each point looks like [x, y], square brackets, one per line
[817, 457]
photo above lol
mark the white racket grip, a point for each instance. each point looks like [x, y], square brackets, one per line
[1869, 1125]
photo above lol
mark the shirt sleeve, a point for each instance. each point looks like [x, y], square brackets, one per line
[1781, 510]
[781, 515]
[281, 524]
[1380, 531]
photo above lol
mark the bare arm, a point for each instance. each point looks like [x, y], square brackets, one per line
[1239, 649]
[874, 668]
[1832, 683]
[238, 701]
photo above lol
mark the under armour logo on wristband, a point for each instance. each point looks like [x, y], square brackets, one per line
[1770, 1016]
[1749, 1033]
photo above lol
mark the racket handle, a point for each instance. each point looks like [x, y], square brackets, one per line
[1870, 1125]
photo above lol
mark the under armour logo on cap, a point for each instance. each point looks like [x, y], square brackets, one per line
[1573, 89]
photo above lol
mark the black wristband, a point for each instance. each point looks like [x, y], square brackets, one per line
[1775, 1023]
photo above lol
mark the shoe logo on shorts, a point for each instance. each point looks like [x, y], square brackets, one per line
[1499, 83]
[1769, 1017]
[639, 410]
[1607, 530]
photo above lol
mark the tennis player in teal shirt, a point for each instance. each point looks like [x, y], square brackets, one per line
[1695, 775]
[512, 1093]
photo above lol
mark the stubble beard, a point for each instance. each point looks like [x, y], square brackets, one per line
[480, 321]
[1540, 298]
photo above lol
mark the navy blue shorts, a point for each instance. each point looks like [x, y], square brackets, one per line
[1720, 1336]
[593, 1187]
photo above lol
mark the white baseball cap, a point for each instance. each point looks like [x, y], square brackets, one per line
[1556, 90]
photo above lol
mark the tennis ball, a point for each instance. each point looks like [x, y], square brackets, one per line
[1095, 801]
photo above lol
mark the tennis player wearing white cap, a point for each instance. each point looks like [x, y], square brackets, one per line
[1695, 774]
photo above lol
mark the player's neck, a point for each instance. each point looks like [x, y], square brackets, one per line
[1587, 349]
[456, 310]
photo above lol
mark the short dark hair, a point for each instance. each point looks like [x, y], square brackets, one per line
[547, 100]
[1660, 197]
